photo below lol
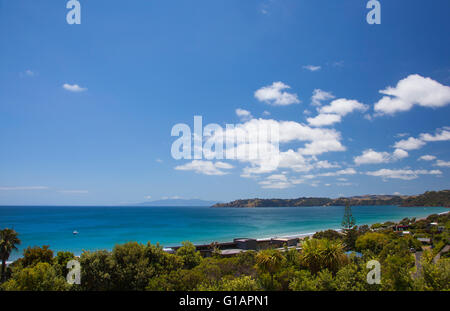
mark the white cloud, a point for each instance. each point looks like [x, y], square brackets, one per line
[347, 171]
[274, 95]
[413, 90]
[400, 154]
[334, 112]
[159, 160]
[23, 188]
[427, 157]
[312, 68]
[370, 156]
[266, 113]
[30, 73]
[442, 163]
[404, 174]
[343, 107]
[148, 197]
[400, 135]
[319, 96]
[441, 135]
[244, 115]
[276, 181]
[224, 165]
[324, 119]
[205, 167]
[74, 191]
[326, 164]
[410, 144]
[318, 140]
[73, 88]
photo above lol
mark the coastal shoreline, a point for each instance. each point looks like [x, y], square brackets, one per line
[292, 235]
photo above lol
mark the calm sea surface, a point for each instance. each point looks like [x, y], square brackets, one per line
[102, 227]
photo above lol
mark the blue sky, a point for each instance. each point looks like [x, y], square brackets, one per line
[86, 111]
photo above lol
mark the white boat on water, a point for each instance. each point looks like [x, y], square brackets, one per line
[75, 232]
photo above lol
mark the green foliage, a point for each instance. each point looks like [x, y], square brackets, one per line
[372, 241]
[61, 260]
[321, 264]
[39, 277]
[430, 198]
[351, 278]
[244, 283]
[269, 261]
[348, 221]
[304, 281]
[323, 254]
[191, 257]
[8, 242]
[328, 234]
[435, 276]
[96, 271]
[35, 255]
[179, 280]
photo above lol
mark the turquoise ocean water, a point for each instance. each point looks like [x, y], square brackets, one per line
[103, 227]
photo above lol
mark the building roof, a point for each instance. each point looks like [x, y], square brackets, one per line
[428, 240]
[232, 251]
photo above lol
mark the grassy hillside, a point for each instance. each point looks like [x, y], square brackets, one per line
[431, 198]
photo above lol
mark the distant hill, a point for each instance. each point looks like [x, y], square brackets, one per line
[433, 198]
[177, 202]
[429, 198]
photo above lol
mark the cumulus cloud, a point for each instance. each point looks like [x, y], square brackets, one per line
[244, 115]
[276, 181]
[73, 88]
[404, 174]
[347, 171]
[371, 156]
[410, 144]
[413, 143]
[427, 157]
[312, 68]
[400, 154]
[343, 107]
[334, 112]
[319, 96]
[441, 163]
[205, 167]
[316, 141]
[441, 135]
[274, 95]
[324, 119]
[413, 90]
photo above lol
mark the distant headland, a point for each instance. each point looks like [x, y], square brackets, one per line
[429, 198]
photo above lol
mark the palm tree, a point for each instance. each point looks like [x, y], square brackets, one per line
[8, 243]
[332, 253]
[323, 254]
[311, 255]
[269, 261]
